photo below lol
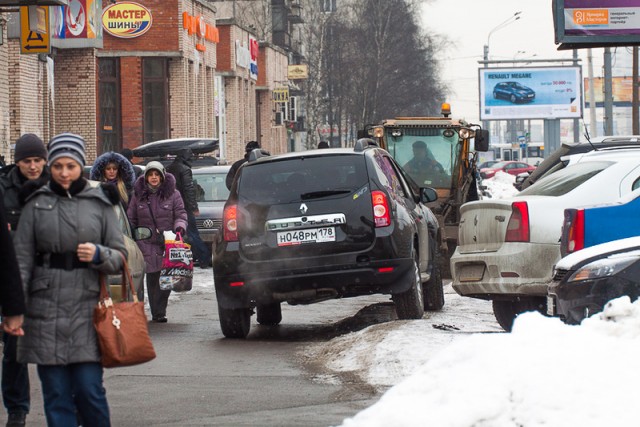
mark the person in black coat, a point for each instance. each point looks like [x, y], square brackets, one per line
[251, 145]
[11, 293]
[180, 168]
[17, 181]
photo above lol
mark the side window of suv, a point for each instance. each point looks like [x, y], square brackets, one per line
[388, 176]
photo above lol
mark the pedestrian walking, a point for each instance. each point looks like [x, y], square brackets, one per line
[11, 293]
[28, 172]
[251, 145]
[180, 168]
[68, 235]
[114, 169]
[158, 205]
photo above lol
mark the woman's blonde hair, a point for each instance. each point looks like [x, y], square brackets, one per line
[122, 188]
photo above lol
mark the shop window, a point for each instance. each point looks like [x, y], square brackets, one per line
[155, 86]
[109, 130]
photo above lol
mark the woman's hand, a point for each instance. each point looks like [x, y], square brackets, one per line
[86, 252]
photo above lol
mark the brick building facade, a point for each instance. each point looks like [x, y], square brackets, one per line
[180, 78]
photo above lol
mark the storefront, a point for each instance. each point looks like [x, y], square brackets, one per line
[250, 70]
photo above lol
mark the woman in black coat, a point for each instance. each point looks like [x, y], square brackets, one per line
[11, 293]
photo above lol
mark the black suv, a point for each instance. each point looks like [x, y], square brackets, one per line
[322, 224]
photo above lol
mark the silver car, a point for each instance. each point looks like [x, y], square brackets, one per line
[211, 194]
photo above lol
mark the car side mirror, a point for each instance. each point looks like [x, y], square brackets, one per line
[481, 141]
[428, 195]
[142, 233]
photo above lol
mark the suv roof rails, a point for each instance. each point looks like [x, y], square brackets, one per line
[364, 143]
[258, 153]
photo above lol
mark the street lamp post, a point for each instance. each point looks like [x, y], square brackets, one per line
[513, 18]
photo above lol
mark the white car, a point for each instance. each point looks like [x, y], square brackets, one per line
[507, 247]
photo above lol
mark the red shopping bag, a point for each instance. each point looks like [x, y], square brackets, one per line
[177, 266]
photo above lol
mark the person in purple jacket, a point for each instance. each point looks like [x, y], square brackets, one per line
[158, 205]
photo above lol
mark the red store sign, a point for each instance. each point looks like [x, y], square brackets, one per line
[197, 25]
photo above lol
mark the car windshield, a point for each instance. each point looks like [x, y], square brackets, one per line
[210, 187]
[519, 86]
[302, 178]
[430, 166]
[565, 180]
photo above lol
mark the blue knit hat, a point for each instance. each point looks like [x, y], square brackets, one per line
[67, 145]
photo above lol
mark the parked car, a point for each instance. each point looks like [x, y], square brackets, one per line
[507, 247]
[514, 92]
[511, 167]
[172, 146]
[310, 226]
[165, 151]
[520, 178]
[212, 193]
[585, 281]
[487, 164]
[587, 226]
[560, 158]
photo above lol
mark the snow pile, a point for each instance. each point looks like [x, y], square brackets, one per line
[500, 186]
[544, 373]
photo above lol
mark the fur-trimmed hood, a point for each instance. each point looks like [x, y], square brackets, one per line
[166, 189]
[125, 168]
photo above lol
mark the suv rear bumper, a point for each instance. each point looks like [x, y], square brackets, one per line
[329, 277]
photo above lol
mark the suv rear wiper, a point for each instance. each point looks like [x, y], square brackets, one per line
[325, 193]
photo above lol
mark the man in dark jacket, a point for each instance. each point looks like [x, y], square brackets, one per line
[251, 145]
[180, 168]
[11, 293]
[29, 170]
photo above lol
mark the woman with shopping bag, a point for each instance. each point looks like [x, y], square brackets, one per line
[158, 205]
[67, 237]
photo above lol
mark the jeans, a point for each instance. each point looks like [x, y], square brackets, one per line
[201, 251]
[15, 378]
[75, 387]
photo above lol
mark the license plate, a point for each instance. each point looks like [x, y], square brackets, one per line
[551, 306]
[471, 273]
[309, 235]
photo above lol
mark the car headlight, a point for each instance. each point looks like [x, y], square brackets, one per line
[602, 268]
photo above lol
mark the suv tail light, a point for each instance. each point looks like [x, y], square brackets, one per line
[572, 231]
[381, 213]
[518, 226]
[230, 223]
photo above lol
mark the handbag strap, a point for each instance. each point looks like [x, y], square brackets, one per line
[153, 218]
[105, 298]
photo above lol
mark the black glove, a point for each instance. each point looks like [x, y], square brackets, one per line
[180, 230]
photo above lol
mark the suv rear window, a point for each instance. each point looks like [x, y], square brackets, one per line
[565, 180]
[302, 178]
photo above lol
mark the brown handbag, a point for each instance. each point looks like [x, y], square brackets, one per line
[122, 330]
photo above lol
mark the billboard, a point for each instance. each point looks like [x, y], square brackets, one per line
[77, 25]
[596, 23]
[530, 93]
[622, 90]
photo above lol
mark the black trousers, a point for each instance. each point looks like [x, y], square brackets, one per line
[158, 299]
[15, 378]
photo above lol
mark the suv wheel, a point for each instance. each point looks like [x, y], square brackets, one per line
[235, 323]
[269, 314]
[507, 311]
[409, 304]
[433, 289]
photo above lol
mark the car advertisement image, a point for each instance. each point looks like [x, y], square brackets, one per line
[530, 93]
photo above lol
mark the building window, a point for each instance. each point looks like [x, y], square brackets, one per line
[109, 130]
[328, 6]
[155, 103]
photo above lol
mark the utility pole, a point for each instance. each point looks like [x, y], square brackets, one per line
[608, 93]
[593, 126]
[634, 95]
